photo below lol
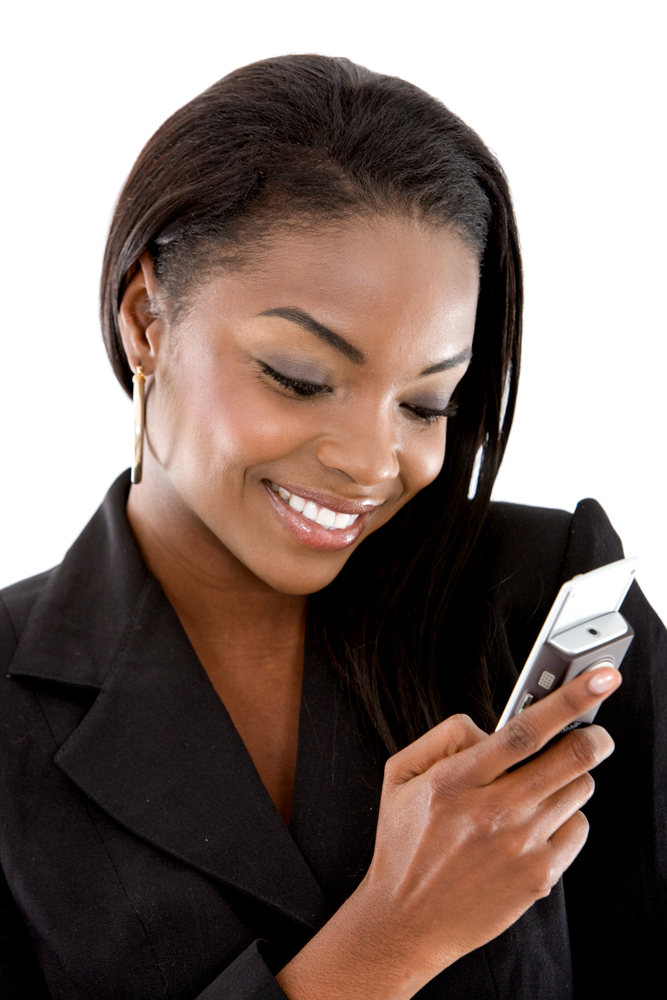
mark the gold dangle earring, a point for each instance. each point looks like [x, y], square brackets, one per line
[139, 400]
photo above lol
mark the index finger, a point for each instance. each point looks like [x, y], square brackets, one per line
[526, 733]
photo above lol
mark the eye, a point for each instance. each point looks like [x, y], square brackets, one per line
[428, 415]
[296, 386]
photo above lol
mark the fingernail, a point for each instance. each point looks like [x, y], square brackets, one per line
[600, 682]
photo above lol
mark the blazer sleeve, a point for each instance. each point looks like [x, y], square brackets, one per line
[249, 977]
[616, 890]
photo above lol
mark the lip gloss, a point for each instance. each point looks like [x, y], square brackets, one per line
[316, 536]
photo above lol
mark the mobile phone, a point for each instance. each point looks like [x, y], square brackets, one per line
[583, 630]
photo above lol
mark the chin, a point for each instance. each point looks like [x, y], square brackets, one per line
[300, 581]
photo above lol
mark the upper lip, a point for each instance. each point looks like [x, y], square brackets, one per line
[331, 501]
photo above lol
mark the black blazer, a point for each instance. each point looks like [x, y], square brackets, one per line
[144, 859]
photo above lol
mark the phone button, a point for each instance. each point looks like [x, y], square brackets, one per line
[596, 666]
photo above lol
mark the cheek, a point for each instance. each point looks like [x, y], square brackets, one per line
[222, 424]
[424, 458]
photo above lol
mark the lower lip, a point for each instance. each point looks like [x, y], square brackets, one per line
[314, 536]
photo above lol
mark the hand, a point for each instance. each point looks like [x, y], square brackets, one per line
[463, 848]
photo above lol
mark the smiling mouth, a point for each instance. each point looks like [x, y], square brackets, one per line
[330, 519]
[316, 524]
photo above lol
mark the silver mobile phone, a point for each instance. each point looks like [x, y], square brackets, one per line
[583, 630]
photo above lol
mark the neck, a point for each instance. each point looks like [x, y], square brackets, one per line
[249, 637]
[218, 600]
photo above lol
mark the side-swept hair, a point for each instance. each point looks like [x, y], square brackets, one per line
[315, 139]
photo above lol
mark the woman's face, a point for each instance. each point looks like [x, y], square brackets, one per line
[297, 404]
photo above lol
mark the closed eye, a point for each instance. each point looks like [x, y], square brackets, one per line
[298, 387]
[305, 389]
[429, 415]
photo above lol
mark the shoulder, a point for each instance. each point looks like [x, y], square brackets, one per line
[16, 603]
[516, 536]
[524, 554]
[64, 624]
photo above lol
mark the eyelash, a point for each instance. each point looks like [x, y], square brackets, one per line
[307, 389]
[429, 416]
[298, 388]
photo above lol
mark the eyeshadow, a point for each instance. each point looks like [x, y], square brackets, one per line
[295, 368]
[430, 400]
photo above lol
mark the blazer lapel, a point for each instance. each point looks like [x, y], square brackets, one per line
[340, 767]
[157, 750]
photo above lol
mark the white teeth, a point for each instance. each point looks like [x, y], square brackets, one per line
[325, 517]
[281, 491]
[321, 515]
[311, 511]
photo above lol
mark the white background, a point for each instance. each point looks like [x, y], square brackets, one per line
[570, 97]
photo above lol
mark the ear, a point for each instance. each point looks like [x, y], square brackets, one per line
[140, 328]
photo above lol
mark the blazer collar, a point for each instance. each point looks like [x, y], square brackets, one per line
[82, 614]
[157, 750]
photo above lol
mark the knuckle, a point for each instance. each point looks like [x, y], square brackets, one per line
[517, 845]
[491, 820]
[581, 827]
[583, 749]
[578, 792]
[459, 730]
[537, 779]
[461, 719]
[442, 781]
[577, 828]
[604, 741]
[573, 702]
[393, 769]
[520, 736]
[461, 722]
[544, 879]
[589, 785]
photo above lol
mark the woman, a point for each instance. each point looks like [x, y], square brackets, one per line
[314, 272]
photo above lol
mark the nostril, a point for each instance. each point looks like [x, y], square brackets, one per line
[366, 463]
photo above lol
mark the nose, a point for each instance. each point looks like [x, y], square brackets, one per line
[365, 451]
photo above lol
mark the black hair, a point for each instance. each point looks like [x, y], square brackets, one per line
[308, 137]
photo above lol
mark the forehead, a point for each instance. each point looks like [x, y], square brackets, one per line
[382, 282]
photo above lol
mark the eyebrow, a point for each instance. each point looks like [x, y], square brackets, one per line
[347, 349]
[326, 335]
[453, 362]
